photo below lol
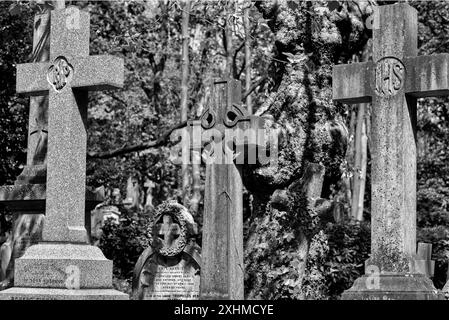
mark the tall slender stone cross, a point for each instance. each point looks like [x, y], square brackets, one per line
[66, 78]
[393, 82]
[65, 260]
[40, 149]
[223, 131]
[27, 195]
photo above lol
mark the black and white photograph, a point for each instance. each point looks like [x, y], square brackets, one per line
[239, 151]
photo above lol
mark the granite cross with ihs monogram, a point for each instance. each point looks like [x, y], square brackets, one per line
[393, 82]
[225, 132]
[67, 78]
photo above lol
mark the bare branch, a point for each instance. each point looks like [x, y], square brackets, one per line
[234, 59]
[161, 141]
[254, 87]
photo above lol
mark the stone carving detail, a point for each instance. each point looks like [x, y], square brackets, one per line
[208, 119]
[220, 113]
[217, 120]
[60, 73]
[170, 229]
[390, 74]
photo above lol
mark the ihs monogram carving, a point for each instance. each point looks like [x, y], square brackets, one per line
[390, 74]
[60, 73]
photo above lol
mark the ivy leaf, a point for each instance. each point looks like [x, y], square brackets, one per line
[289, 236]
[262, 245]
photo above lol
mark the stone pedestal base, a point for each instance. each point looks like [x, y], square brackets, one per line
[393, 287]
[64, 266]
[61, 294]
[62, 271]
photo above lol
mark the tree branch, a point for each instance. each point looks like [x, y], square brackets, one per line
[117, 98]
[224, 40]
[161, 141]
[253, 87]
[234, 59]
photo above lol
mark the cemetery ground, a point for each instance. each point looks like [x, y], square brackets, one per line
[235, 150]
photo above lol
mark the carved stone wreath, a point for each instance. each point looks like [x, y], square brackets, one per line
[171, 219]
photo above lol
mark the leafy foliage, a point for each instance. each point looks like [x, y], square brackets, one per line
[124, 242]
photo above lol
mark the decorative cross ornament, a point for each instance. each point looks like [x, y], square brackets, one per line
[60, 73]
[225, 131]
[393, 82]
[168, 231]
[66, 79]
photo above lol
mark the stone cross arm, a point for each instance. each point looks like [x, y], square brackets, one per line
[425, 76]
[351, 82]
[225, 123]
[91, 73]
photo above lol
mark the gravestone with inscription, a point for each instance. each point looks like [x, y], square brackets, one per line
[27, 230]
[393, 82]
[64, 265]
[170, 268]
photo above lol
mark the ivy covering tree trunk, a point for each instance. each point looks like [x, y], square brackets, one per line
[286, 239]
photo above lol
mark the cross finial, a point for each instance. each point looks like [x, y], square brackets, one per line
[168, 229]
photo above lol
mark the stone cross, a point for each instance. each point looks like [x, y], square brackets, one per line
[393, 82]
[41, 144]
[35, 169]
[168, 230]
[66, 79]
[39, 104]
[222, 247]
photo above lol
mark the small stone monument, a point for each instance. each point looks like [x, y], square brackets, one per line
[170, 268]
[423, 262]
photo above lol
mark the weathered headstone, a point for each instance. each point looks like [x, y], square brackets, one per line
[423, 262]
[64, 265]
[170, 268]
[393, 82]
[133, 194]
[231, 139]
[27, 231]
[149, 185]
[99, 215]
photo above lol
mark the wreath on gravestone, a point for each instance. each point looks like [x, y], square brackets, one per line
[169, 229]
